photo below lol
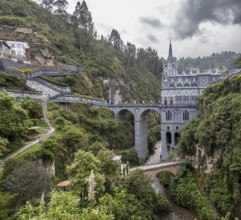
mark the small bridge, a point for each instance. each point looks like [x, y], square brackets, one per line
[153, 169]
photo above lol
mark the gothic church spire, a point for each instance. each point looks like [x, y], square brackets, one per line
[170, 50]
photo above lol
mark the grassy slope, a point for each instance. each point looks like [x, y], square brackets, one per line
[54, 41]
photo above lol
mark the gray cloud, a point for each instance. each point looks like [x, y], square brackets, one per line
[152, 22]
[152, 38]
[194, 12]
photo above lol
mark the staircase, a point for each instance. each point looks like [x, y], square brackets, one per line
[48, 89]
[47, 92]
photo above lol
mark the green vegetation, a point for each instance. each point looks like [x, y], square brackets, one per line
[216, 130]
[165, 178]
[86, 138]
[14, 121]
[184, 191]
[59, 40]
[10, 81]
[220, 60]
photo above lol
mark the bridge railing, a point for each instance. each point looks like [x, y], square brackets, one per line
[73, 98]
[24, 94]
[16, 73]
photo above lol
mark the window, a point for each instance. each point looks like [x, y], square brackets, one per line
[165, 101]
[171, 101]
[168, 138]
[185, 115]
[19, 46]
[168, 115]
[179, 85]
[178, 98]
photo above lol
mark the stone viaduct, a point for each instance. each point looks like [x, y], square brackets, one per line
[140, 113]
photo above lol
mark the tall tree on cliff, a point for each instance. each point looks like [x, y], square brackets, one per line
[47, 4]
[82, 17]
[116, 40]
[61, 7]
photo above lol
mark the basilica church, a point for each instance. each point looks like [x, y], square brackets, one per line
[178, 98]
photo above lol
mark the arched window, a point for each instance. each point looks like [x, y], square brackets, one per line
[171, 101]
[168, 137]
[185, 115]
[165, 100]
[176, 138]
[168, 115]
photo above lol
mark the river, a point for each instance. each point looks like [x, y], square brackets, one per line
[177, 213]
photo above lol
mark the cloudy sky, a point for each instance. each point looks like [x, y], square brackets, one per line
[197, 27]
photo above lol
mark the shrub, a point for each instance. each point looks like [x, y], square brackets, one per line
[12, 21]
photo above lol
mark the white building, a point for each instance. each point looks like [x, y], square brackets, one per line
[20, 51]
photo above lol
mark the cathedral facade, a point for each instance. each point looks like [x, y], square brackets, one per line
[178, 99]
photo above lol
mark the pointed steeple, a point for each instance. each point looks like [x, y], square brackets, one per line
[170, 50]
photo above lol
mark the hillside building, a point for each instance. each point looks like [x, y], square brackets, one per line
[5, 50]
[20, 51]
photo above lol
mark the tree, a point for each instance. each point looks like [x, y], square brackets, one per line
[33, 108]
[109, 167]
[138, 184]
[73, 140]
[79, 172]
[28, 181]
[82, 17]
[130, 54]
[123, 205]
[116, 40]
[47, 4]
[3, 144]
[61, 7]
[62, 206]
[14, 121]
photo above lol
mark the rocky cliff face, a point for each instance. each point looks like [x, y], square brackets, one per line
[212, 141]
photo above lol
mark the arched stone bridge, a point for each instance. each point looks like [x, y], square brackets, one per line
[152, 170]
[140, 111]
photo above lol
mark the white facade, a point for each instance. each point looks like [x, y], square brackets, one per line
[178, 98]
[20, 51]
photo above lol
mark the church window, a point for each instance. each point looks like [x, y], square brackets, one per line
[171, 101]
[168, 137]
[185, 115]
[179, 98]
[179, 84]
[168, 115]
[165, 101]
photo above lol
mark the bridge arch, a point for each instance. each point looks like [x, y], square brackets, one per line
[140, 113]
[122, 114]
[144, 113]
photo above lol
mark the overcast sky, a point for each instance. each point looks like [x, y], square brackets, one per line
[197, 27]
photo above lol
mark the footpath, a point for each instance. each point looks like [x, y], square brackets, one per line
[36, 141]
